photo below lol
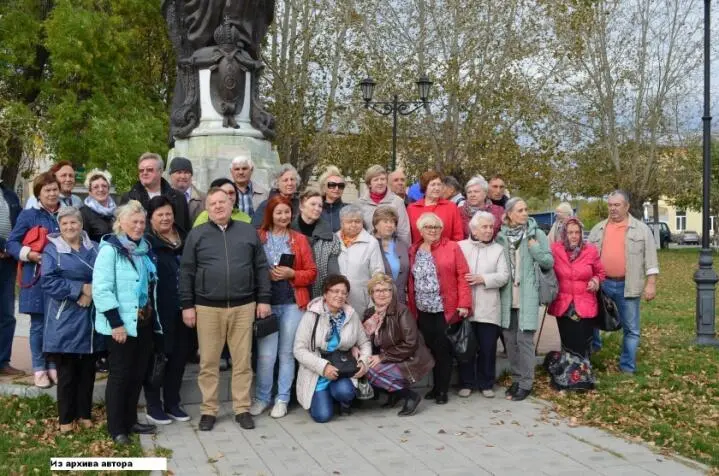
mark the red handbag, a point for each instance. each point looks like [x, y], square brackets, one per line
[35, 239]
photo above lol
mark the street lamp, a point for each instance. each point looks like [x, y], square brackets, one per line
[394, 107]
[705, 277]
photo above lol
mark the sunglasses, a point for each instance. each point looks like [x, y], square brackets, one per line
[340, 185]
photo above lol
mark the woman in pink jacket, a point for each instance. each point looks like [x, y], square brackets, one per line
[579, 273]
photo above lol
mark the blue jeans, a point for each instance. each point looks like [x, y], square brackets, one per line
[629, 317]
[37, 328]
[322, 406]
[278, 344]
[7, 309]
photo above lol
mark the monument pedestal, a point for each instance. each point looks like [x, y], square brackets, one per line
[211, 146]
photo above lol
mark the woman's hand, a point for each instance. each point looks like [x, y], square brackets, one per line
[374, 361]
[362, 370]
[474, 279]
[119, 335]
[87, 289]
[331, 372]
[593, 285]
[463, 312]
[189, 317]
[531, 242]
[280, 273]
[355, 352]
[34, 257]
[84, 301]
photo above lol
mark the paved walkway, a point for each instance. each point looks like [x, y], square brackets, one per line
[474, 436]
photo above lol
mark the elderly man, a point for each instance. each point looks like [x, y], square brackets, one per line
[498, 191]
[398, 184]
[629, 255]
[151, 184]
[181, 180]
[251, 194]
[9, 210]
[224, 284]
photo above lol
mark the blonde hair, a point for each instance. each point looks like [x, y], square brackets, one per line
[330, 171]
[97, 174]
[429, 219]
[152, 156]
[372, 172]
[130, 208]
[566, 208]
[380, 278]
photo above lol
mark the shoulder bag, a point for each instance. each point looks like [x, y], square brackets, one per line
[607, 313]
[546, 283]
[36, 240]
[342, 360]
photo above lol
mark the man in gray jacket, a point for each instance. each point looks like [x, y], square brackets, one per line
[224, 284]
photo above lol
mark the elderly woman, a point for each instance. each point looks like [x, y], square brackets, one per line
[400, 357]
[360, 256]
[166, 240]
[123, 283]
[290, 296]
[432, 185]
[477, 201]
[325, 244]
[329, 325]
[32, 297]
[284, 182]
[525, 245]
[231, 190]
[378, 194]
[579, 273]
[68, 261]
[98, 213]
[395, 254]
[332, 186]
[438, 294]
[563, 211]
[488, 273]
[64, 172]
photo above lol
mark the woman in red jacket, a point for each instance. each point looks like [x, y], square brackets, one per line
[431, 183]
[438, 295]
[290, 295]
[579, 273]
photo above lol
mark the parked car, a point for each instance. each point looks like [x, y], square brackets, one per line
[665, 235]
[688, 237]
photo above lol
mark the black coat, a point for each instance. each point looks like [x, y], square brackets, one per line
[96, 225]
[177, 199]
[168, 292]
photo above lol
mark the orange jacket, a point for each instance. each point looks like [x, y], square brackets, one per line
[305, 268]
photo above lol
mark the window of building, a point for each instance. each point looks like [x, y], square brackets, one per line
[681, 220]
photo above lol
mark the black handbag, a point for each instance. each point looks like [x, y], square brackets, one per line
[464, 343]
[342, 360]
[607, 313]
[157, 371]
[264, 327]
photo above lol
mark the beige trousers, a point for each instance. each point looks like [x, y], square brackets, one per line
[215, 326]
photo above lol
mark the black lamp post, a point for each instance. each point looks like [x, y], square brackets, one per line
[705, 277]
[396, 106]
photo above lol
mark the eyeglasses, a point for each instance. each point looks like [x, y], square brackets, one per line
[382, 291]
[231, 194]
[432, 227]
[149, 170]
[337, 292]
[100, 186]
[340, 185]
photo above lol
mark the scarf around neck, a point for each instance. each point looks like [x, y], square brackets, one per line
[139, 254]
[98, 208]
[515, 234]
[336, 321]
[377, 197]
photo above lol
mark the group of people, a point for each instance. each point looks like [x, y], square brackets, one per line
[355, 294]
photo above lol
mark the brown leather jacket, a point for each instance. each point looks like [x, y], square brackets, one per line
[400, 342]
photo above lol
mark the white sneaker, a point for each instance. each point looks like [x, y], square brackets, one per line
[465, 392]
[41, 379]
[279, 410]
[257, 407]
[489, 393]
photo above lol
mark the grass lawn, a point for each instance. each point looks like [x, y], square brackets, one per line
[673, 401]
[30, 437]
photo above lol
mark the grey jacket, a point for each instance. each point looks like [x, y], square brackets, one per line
[223, 268]
[369, 207]
[640, 254]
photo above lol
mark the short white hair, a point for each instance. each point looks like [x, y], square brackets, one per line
[152, 156]
[477, 180]
[97, 174]
[479, 216]
[284, 168]
[69, 212]
[351, 211]
[243, 160]
[130, 208]
[429, 219]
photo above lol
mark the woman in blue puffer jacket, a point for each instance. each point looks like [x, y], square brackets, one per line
[67, 264]
[123, 288]
[32, 301]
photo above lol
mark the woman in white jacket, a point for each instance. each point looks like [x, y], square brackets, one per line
[488, 272]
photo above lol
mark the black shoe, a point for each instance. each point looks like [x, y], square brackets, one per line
[345, 409]
[102, 366]
[442, 398]
[207, 422]
[224, 365]
[245, 420]
[511, 390]
[431, 395]
[121, 439]
[392, 400]
[521, 394]
[142, 429]
[410, 405]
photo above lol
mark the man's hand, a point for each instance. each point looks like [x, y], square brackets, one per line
[189, 317]
[650, 290]
[263, 310]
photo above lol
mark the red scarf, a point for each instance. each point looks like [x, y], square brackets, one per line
[377, 197]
